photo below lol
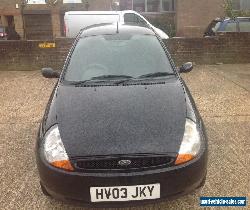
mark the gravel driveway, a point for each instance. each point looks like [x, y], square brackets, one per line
[221, 92]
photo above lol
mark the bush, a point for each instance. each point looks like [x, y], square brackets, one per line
[168, 28]
[230, 12]
[165, 22]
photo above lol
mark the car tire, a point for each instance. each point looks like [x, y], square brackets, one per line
[202, 182]
[45, 192]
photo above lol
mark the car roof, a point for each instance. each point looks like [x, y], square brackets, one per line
[99, 12]
[91, 12]
[228, 19]
[242, 17]
[116, 28]
[236, 18]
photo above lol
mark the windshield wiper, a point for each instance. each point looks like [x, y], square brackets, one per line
[79, 83]
[118, 79]
[103, 79]
[155, 74]
[107, 77]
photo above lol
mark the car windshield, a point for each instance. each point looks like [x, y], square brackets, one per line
[213, 27]
[121, 55]
[216, 26]
[1, 29]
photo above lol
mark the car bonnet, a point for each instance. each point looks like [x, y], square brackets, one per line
[133, 119]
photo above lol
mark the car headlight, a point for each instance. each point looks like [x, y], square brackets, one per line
[54, 150]
[191, 143]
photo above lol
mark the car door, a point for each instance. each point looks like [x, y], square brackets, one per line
[212, 28]
[244, 25]
[230, 26]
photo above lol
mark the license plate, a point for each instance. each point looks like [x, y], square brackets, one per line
[125, 193]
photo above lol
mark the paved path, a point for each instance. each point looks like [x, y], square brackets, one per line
[222, 94]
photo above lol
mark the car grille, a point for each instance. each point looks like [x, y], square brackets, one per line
[115, 163]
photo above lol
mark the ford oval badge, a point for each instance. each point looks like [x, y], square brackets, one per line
[124, 162]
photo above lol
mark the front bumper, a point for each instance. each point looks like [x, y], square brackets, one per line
[75, 186]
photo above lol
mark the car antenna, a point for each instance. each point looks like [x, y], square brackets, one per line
[117, 29]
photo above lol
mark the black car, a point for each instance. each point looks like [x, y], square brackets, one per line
[237, 24]
[121, 127]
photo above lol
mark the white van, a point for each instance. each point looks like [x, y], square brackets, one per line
[76, 20]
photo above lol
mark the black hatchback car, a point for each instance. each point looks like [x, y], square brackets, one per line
[121, 127]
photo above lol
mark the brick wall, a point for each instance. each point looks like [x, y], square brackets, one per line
[26, 55]
[8, 7]
[224, 48]
[193, 16]
[230, 48]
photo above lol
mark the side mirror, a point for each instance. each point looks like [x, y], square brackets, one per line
[50, 73]
[186, 67]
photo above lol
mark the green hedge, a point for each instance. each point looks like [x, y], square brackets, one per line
[163, 21]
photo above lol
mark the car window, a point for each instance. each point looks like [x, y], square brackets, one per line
[212, 28]
[216, 27]
[133, 18]
[131, 55]
[140, 20]
[244, 26]
[129, 18]
[230, 27]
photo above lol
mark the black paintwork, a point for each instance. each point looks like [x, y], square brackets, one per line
[74, 187]
[110, 120]
[121, 119]
[117, 120]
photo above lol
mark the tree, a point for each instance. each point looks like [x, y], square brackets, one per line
[230, 12]
[228, 7]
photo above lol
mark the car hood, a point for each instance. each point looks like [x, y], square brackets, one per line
[113, 120]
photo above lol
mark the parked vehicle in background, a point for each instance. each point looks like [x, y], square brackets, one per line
[3, 33]
[8, 33]
[76, 20]
[238, 24]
